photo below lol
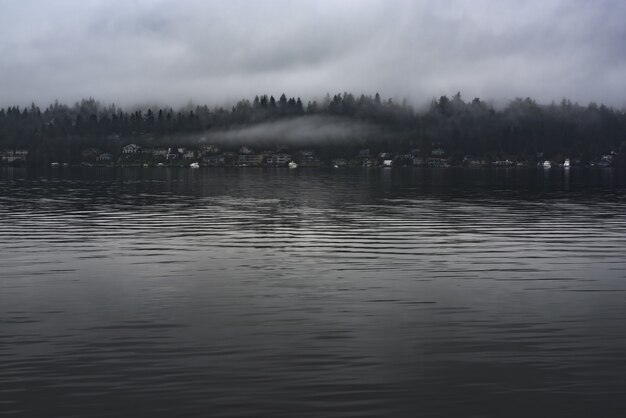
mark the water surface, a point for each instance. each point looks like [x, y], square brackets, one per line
[177, 292]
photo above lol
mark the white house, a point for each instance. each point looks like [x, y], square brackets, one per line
[131, 149]
[104, 157]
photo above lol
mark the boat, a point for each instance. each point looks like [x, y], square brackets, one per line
[194, 165]
[54, 164]
[566, 163]
[547, 164]
[292, 165]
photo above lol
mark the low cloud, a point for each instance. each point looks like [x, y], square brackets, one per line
[304, 130]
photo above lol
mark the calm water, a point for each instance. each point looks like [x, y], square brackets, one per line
[308, 293]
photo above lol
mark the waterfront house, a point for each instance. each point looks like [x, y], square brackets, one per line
[438, 162]
[230, 158]
[307, 158]
[209, 149]
[245, 150]
[250, 160]
[438, 152]
[159, 152]
[474, 162]
[105, 157]
[418, 161]
[278, 159]
[14, 156]
[90, 154]
[131, 149]
[503, 163]
[213, 160]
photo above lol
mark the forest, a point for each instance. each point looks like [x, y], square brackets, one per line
[523, 128]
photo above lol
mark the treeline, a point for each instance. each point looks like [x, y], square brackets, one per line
[522, 128]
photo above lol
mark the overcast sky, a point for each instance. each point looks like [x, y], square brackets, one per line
[173, 51]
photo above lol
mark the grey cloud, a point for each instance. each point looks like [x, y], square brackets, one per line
[171, 51]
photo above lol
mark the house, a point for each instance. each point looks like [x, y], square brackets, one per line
[245, 150]
[605, 161]
[213, 160]
[230, 158]
[474, 162]
[209, 149]
[189, 154]
[159, 152]
[279, 159]
[14, 156]
[247, 160]
[104, 157]
[418, 161]
[438, 152]
[131, 149]
[502, 163]
[308, 158]
[438, 162]
[90, 153]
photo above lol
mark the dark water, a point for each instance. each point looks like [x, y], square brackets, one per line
[225, 293]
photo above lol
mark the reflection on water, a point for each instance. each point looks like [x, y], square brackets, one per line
[158, 292]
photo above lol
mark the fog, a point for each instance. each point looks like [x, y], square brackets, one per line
[216, 52]
[304, 130]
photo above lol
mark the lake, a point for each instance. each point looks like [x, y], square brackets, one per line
[305, 293]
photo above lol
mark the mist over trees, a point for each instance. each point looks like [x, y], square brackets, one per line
[523, 128]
